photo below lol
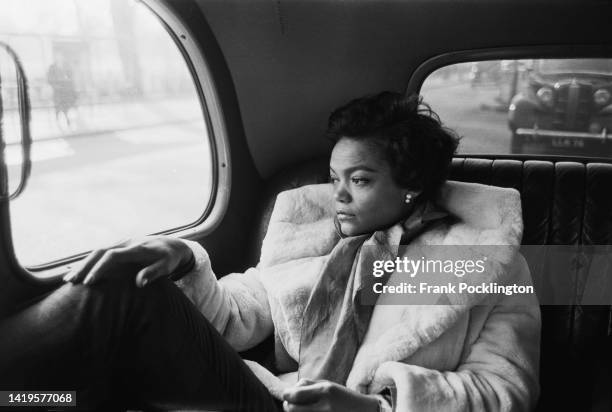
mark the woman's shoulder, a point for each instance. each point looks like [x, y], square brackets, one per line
[482, 214]
[479, 205]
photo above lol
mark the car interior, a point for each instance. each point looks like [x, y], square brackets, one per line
[268, 73]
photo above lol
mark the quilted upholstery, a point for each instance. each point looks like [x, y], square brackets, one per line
[564, 203]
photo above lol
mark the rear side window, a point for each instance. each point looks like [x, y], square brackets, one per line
[546, 106]
[121, 145]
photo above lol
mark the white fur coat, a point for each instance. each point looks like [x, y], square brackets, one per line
[469, 354]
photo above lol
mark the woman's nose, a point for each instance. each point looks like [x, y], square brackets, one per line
[341, 194]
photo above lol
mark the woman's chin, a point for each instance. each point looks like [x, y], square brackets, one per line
[351, 229]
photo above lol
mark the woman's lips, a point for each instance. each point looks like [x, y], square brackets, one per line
[345, 216]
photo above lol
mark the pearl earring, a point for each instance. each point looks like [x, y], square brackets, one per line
[408, 198]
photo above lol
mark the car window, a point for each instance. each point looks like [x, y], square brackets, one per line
[540, 106]
[121, 145]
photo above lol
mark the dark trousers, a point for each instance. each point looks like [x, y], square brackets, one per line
[119, 346]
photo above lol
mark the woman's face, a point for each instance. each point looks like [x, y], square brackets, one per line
[366, 197]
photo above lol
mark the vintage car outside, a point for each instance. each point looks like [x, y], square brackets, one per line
[565, 108]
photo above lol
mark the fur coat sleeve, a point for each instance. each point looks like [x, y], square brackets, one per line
[236, 305]
[497, 372]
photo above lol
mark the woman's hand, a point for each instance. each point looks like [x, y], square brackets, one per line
[322, 395]
[156, 256]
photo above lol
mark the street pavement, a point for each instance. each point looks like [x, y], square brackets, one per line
[96, 118]
[124, 169]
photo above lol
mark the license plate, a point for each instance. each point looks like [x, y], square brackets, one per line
[567, 142]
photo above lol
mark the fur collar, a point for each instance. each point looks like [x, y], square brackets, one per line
[301, 224]
[301, 228]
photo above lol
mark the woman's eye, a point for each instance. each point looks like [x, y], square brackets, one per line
[360, 180]
[333, 179]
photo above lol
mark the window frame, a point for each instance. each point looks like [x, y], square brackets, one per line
[210, 104]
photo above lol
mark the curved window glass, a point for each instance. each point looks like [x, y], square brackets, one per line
[121, 145]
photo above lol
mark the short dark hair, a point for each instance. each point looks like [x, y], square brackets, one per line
[417, 146]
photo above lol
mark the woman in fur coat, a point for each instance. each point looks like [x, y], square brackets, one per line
[332, 287]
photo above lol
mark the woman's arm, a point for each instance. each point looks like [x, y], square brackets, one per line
[498, 372]
[236, 305]
[491, 378]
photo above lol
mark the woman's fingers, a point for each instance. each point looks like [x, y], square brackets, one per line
[313, 407]
[81, 270]
[77, 274]
[110, 261]
[150, 273]
[156, 255]
[384, 376]
[305, 382]
[301, 382]
[309, 393]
